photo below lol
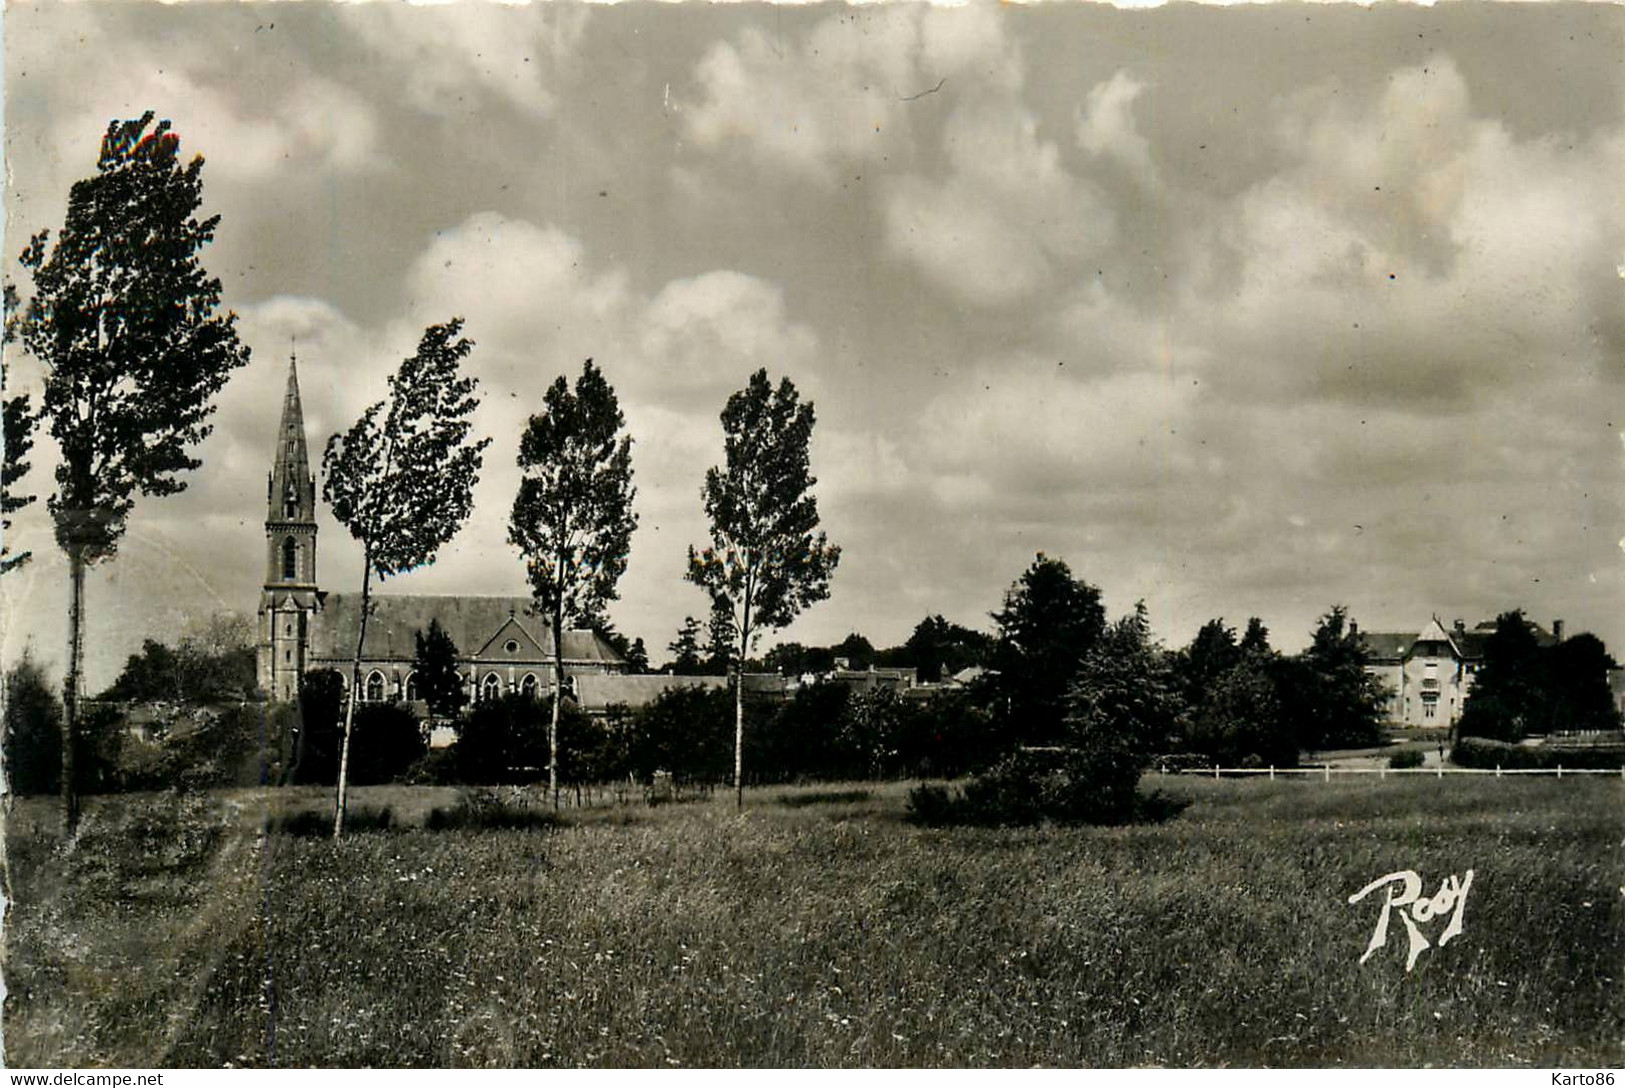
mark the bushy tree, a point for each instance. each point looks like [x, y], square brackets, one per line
[401, 480]
[319, 733]
[1522, 688]
[1124, 707]
[1211, 654]
[1337, 703]
[503, 741]
[1507, 696]
[17, 424]
[684, 731]
[573, 518]
[123, 317]
[801, 738]
[33, 731]
[1257, 638]
[1576, 676]
[1050, 621]
[937, 649]
[685, 650]
[767, 560]
[388, 741]
[439, 684]
[191, 673]
[1240, 717]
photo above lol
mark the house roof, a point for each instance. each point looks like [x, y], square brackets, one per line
[599, 691]
[1388, 645]
[472, 623]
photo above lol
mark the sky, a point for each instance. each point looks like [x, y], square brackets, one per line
[1239, 311]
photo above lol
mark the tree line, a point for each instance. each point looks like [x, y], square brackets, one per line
[126, 322]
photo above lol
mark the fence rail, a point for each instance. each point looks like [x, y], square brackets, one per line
[1325, 771]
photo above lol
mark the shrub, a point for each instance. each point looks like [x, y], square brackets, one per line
[310, 824]
[33, 731]
[930, 805]
[1408, 759]
[503, 741]
[1485, 754]
[689, 732]
[385, 742]
[492, 810]
[438, 767]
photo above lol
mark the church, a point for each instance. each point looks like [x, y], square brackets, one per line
[503, 643]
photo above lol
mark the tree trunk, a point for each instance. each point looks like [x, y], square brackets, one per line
[71, 685]
[739, 737]
[558, 697]
[739, 702]
[349, 706]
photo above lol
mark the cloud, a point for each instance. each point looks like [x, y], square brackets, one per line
[1106, 127]
[1006, 216]
[706, 334]
[1411, 255]
[843, 93]
[452, 59]
[319, 127]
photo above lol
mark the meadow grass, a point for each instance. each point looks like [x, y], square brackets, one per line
[819, 928]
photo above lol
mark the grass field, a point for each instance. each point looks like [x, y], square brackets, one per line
[820, 929]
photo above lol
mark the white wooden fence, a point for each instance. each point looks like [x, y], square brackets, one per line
[1325, 771]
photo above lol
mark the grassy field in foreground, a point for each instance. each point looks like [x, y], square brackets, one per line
[819, 929]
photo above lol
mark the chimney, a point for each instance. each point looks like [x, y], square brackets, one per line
[1557, 630]
[1354, 628]
[1460, 627]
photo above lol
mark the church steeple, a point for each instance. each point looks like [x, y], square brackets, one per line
[290, 595]
[291, 495]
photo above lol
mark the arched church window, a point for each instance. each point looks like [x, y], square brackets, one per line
[492, 688]
[375, 687]
[527, 686]
[411, 687]
[290, 558]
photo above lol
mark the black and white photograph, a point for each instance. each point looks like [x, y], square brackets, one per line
[869, 536]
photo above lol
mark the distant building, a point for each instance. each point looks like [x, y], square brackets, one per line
[503, 645]
[1428, 674]
[872, 679]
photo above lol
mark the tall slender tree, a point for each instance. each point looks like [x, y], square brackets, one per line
[401, 480]
[573, 516]
[123, 317]
[767, 560]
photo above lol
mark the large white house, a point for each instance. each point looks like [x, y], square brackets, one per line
[1429, 673]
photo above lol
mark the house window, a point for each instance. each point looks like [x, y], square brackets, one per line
[527, 686]
[290, 558]
[375, 687]
[492, 688]
[1428, 708]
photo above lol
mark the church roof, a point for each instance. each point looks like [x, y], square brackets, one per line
[472, 623]
[602, 691]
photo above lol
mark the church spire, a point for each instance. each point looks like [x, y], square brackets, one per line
[292, 492]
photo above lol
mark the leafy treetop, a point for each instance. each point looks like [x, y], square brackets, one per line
[123, 319]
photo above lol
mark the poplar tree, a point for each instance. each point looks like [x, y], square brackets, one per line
[572, 518]
[767, 560]
[401, 480]
[123, 318]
